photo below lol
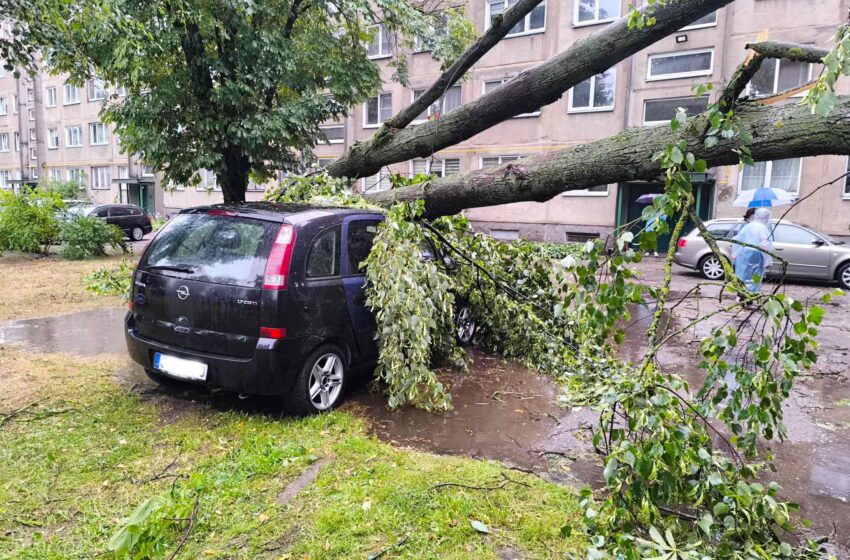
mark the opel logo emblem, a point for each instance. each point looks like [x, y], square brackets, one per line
[183, 292]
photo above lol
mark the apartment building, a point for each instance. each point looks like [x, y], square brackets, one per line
[644, 90]
[51, 128]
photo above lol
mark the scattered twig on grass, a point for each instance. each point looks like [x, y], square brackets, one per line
[9, 415]
[188, 529]
[380, 554]
[162, 474]
[507, 480]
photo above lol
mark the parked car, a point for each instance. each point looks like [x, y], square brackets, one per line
[259, 299]
[131, 219]
[811, 255]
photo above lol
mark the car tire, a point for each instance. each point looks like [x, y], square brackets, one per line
[137, 233]
[843, 276]
[711, 268]
[465, 323]
[320, 384]
[163, 380]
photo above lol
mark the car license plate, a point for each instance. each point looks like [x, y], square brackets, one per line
[178, 367]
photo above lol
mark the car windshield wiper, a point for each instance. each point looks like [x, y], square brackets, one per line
[170, 268]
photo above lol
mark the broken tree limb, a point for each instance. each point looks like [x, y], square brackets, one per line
[789, 51]
[528, 92]
[738, 83]
[499, 27]
[778, 132]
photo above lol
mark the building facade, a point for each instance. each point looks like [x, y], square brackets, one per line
[50, 128]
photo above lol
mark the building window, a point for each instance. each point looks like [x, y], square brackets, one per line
[495, 161]
[534, 22]
[31, 114]
[378, 182]
[591, 12]
[5, 177]
[15, 104]
[450, 101]
[71, 94]
[97, 90]
[378, 109]
[324, 162]
[56, 175]
[776, 76]
[121, 91]
[77, 175]
[147, 171]
[705, 21]
[30, 94]
[17, 142]
[4, 142]
[381, 44]
[4, 107]
[683, 64]
[436, 167]
[32, 135]
[599, 190]
[98, 134]
[212, 181]
[490, 85]
[73, 136]
[100, 178]
[661, 111]
[52, 138]
[594, 94]
[778, 174]
[123, 172]
[334, 132]
[50, 97]
[505, 234]
[846, 193]
[33, 153]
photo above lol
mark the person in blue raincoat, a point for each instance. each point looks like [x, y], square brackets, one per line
[750, 264]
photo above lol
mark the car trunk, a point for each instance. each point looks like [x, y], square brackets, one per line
[199, 285]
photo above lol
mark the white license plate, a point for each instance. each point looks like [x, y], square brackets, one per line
[178, 367]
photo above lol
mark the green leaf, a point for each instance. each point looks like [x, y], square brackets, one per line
[610, 469]
[480, 527]
[705, 523]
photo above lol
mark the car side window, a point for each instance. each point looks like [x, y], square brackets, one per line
[119, 212]
[324, 255]
[102, 212]
[792, 234]
[721, 230]
[361, 235]
[135, 212]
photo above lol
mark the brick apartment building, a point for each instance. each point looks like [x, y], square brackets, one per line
[49, 128]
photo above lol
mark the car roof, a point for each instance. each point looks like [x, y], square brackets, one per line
[278, 212]
[737, 220]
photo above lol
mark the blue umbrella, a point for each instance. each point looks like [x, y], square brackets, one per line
[764, 197]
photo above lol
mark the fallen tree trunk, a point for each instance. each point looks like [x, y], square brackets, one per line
[778, 132]
[526, 93]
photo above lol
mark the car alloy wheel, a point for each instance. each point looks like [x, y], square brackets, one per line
[465, 323]
[844, 277]
[137, 234]
[326, 379]
[712, 268]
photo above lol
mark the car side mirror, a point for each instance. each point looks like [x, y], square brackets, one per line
[818, 242]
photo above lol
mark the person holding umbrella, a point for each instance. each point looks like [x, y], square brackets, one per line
[750, 263]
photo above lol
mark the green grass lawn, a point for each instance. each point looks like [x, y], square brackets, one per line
[78, 462]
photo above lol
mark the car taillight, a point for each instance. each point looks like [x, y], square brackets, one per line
[272, 332]
[219, 212]
[276, 276]
[682, 243]
[130, 304]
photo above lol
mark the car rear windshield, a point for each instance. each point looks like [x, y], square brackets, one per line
[209, 248]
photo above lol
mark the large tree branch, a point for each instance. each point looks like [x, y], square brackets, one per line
[500, 27]
[526, 93]
[789, 51]
[778, 132]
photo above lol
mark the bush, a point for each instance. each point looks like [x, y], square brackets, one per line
[555, 251]
[67, 190]
[84, 237]
[28, 221]
[111, 281]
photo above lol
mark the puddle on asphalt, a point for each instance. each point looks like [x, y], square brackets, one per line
[100, 331]
[505, 413]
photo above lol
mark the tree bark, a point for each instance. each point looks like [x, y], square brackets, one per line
[233, 178]
[526, 93]
[778, 132]
[500, 27]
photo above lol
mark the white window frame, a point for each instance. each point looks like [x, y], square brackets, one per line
[33, 153]
[5, 177]
[845, 194]
[15, 104]
[32, 135]
[50, 97]
[80, 178]
[93, 88]
[105, 140]
[68, 136]
[441, 100]
[147, 171]
[504, 81]
[69, 88]
[526, 20]
[590, 108]
[31, 114]
[379, 36]
[587, 192]
[701, 25]
[429, 162]
[678, 75]
[4, 146]
[53, 134]
[17, 141]
[768, 172]
[513, 157]
[383, 175]
[4, 106]
[658, 123]
[55, 174]
[596, 21]
[778, 62]
[366, 110]
[96, 172]
[340, 124]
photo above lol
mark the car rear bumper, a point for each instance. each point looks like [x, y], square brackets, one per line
[679, 259]
[268, 372]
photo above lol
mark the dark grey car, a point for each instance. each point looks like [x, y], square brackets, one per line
[811, 255]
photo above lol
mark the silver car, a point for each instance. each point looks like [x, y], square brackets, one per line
[810, 254]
